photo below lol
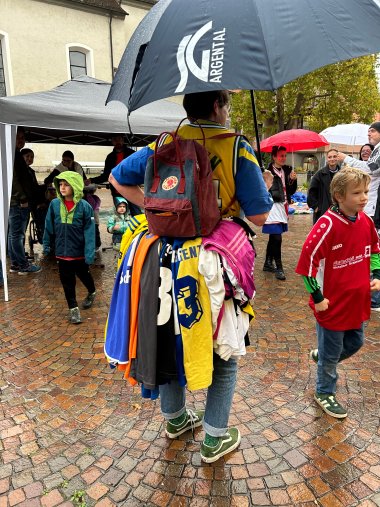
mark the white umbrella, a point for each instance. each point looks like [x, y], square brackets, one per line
[350, 134]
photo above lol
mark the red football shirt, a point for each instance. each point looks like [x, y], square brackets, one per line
[337, 252]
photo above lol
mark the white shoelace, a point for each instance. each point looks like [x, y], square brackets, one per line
[193, 418]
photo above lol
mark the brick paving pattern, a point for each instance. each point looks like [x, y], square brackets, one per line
[73, 433]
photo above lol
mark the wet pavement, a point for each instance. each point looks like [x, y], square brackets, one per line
[74, 433]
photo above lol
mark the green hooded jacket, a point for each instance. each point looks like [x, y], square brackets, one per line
[72, 232]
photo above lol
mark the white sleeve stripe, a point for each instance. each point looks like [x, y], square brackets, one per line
[318, 245]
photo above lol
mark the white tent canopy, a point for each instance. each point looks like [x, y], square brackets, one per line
[73, 113]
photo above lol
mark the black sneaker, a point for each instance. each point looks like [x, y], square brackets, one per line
[87, 303]
[226, 444]
[14, 268]
[329, 404]
[30, 269]
[314, 355]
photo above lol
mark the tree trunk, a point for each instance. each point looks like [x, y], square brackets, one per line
[292, 123]
[280, 110]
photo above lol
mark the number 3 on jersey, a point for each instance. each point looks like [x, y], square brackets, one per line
[189, 308]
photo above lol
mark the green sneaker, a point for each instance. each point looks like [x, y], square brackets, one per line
[74, 317]
[192, 420]
[227, 443]
[314, 355]
[329, 405]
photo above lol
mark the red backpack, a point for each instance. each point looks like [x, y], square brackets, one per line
[179, 195]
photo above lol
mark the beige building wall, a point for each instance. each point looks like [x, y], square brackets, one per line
[37, 37]
[136, 11]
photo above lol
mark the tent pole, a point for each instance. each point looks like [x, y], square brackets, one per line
[258, 152]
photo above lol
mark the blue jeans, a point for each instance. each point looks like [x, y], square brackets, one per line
[17, 224]
[218, 402]
[375, 298]
[334, 347]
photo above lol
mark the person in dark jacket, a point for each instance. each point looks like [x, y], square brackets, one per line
[119, 153]
[23, 196]
[318, 196]
[283, 187]
[70, 229]
[39, 208]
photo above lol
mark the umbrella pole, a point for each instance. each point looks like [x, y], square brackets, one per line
[258, 152]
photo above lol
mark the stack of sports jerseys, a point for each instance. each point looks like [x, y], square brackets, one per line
[177, 301]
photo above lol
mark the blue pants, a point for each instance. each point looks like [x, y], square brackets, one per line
[218, 402]
[17, 224]
[375, 298]
[334, 347]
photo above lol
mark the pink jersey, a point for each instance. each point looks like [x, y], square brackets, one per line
[231, 241]
[339, 251]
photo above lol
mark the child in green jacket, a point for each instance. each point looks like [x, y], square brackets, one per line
[70, 229]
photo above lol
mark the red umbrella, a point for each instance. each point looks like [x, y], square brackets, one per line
[294, 140]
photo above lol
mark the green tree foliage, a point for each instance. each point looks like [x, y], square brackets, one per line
[344, 92]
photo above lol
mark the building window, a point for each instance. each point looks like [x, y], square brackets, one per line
[79, 60]
[78, 64]
[3, 88]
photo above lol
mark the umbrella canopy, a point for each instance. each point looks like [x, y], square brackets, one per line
[294, 140]
[183, 47]
[349, 133]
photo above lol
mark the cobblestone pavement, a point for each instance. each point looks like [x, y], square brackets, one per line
[74, 433]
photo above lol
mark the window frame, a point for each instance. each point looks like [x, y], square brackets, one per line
[8, 77]
[87, 51]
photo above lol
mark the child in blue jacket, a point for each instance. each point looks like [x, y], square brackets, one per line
[70, 230]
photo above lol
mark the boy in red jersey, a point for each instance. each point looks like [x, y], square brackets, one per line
[335, 262]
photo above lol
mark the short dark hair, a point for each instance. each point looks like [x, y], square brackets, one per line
[25, 151]
[201, 105]
[375, 125]
[332, 149]
[68, 154]
[276, 149]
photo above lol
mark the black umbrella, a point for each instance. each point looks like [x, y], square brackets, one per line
[186, 46]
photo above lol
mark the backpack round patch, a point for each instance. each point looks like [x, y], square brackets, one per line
[169, 183]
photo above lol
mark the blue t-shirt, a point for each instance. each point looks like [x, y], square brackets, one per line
[233, 162]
